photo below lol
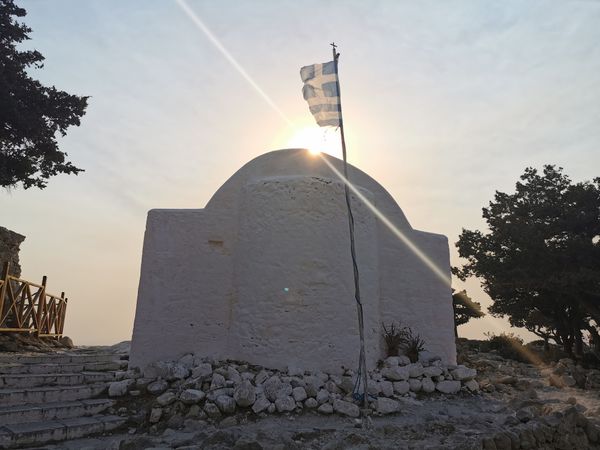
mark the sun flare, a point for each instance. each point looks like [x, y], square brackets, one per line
[316, 140]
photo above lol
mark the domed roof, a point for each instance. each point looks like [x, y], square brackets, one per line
[299, 162]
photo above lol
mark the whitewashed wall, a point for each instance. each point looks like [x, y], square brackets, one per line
[263, 273]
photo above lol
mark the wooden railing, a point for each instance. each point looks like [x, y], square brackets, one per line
[27, 307]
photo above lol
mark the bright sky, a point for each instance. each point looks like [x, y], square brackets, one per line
[444, 103]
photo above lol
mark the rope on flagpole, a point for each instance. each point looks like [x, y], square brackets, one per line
[362, 365]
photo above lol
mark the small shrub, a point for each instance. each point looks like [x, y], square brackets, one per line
[414, 346]
[546, 352]
[395, 337]
[402, 338]
[590, 361]
[508, 345]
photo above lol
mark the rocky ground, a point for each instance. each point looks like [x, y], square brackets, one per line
[25, 342]
[518, 405]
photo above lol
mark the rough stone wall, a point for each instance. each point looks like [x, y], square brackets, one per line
[9, 250]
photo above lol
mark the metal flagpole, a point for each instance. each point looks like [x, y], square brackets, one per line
[362, 371]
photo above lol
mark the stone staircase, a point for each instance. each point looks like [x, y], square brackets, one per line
[53, 397]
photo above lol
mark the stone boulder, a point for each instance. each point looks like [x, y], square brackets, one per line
[397, 373]
[427, 385]
[387, 405]
[401, 387]
[157, 387]
[462, 373]
[414, 384]
[386, 388]
[415, 370]
[261, 404]
[346, 408]
[119, 388]
[202, 371]
[432, 371]
[312, 385]
[448, 386]
[325, 408]
[393, 361]
[299, 394]
[165, 399]
[274, 388]
[311, 403]
[167, 370]
[245, 394]
[191, 396]
[285, 404]
[226, 404]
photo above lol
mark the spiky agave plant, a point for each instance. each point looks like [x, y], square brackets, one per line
[414, 346]
[395, 337]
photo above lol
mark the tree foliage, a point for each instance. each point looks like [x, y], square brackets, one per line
[30, 114]
[465, 309]
[540, 260]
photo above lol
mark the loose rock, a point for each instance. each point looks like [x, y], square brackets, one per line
[401, 387]
[387, 405]
[211, 410]
[312, 385]
[462, 373]
[427, 385]
[166, 370]
[346, 408]
[165, 399]
[299, 394]
[157, 387]
[472, 385]
[191, 396]
[119, 388]
[414, 384]
[395, 373]
[202, 371]
[311, 403]
[226, 404]
[415, 370]
[285, 404]
[261, 404]
[325, 408]
[245, 394]
[448, 387]
[155, 415]
[386, 388]
[322, 396]
[432, 371]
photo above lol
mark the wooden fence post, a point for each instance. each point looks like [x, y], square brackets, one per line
[63, 311]
[41, 306]
[5, 269]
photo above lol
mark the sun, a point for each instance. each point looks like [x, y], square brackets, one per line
[316, 140]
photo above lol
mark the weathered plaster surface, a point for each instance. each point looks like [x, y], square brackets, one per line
[264, 274]
[9, 250]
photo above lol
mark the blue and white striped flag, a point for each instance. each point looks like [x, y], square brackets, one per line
[321, 92]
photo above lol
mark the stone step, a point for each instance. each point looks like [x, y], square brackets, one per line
[19, 368]
[58, 358]
[16, 381]
[52, 411]
[51, 394]
[45, 432]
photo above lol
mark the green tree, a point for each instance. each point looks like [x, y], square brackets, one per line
[540, 260]
[465, 309]
[31, 114]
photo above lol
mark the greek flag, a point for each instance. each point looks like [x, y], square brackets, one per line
[321, 92]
